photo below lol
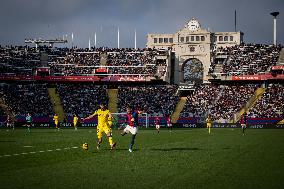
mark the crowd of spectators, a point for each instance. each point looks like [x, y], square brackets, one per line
[248, 59]
[27, 98]
[123, 61]
[2, 112]
[271, 105]
[221, 102]
[81, 99]
[140, 61]
[18, 60]
[76, 62]
[23, 60]
[155, 100]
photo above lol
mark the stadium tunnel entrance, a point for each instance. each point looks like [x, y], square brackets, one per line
[192, 71]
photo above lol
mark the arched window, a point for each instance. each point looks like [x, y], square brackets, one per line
[193, 71]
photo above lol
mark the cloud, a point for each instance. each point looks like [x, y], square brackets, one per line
[53, 18]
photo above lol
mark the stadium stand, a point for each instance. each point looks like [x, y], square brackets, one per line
[23, 60]
[155, 100]
[245, 59]
[18, 60]
[220, 101]
[27, 98]
[271, 105]
[81, 99]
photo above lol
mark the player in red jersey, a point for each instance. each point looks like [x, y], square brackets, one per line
[157, 123]
[244, 123]
[169, 123]
[9, 123]
[132, 125]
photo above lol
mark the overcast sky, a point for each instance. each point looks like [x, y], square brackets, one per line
[20, 19]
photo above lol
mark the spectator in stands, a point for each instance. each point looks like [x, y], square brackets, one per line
[155, 100]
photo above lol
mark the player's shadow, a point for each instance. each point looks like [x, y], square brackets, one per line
[117, 149]
[125, 149]
[174, 149]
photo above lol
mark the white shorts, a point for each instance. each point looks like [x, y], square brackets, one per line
[157, 126]
[132, 130]
[169, 124]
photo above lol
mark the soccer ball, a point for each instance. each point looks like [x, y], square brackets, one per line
[85, 146]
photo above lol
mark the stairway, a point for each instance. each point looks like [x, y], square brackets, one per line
[103, 59]
[281, 122]
[178, 109]
[280, 61]
[6, 108]
[57, 106]
[250, 104]
[113, 100]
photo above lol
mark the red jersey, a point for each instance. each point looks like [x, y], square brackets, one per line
[9, 120]
[128, 120]
[133, 115]
[157, 121]
[169, 120]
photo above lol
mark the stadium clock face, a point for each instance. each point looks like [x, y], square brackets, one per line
[193, 25]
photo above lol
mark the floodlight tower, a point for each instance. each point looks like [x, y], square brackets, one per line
[274, 14]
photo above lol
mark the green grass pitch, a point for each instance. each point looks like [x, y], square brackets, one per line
[185, 158]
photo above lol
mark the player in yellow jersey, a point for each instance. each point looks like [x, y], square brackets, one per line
[75, 121]
[209, 123]
[55, 119]
[104, 125]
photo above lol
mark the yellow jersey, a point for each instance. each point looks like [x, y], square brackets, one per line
[55, 118]
[208, 120]
[103, 117]
[75, 119]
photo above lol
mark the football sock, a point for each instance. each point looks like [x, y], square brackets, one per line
[132, 141]
[110, 140]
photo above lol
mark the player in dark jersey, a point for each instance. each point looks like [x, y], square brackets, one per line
[29, 121]
[132, 125]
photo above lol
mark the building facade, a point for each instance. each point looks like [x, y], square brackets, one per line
[194, 48]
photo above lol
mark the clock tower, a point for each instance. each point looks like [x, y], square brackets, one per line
[193, 48]
[193, 25]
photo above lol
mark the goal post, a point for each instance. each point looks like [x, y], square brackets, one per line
[119, 119]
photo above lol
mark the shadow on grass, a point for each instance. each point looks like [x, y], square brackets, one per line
[226, 148]
[7, 141]
[174, 149]
[119, 149]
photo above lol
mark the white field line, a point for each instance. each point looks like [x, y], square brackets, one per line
[36, 152]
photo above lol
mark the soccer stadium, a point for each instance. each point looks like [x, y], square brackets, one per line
[181, 106]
